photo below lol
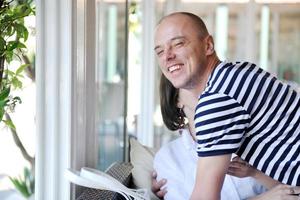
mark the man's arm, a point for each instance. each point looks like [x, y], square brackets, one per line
[210, 176]
[267, 181]
[280, 192]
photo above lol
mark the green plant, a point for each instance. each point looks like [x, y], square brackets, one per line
[25, 184]
[13, 34]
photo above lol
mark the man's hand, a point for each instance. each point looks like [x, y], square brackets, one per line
[280, 192]
[156, 186]
[240, 168]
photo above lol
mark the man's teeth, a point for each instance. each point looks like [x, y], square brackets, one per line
[173, 68]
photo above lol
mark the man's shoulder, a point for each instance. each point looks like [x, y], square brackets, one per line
[230, 73]
[240, 65]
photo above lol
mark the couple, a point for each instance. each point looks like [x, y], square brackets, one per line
[239, 108]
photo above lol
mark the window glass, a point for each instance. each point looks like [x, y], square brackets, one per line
[110, 77]
[288, 52]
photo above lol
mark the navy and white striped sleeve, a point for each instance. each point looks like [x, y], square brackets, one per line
[220, 123]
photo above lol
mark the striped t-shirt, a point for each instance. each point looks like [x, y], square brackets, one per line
[247, 111]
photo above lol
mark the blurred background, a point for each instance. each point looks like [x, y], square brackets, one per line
[126, 78]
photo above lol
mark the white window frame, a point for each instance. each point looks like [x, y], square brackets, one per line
[65, 78]
[65, 68]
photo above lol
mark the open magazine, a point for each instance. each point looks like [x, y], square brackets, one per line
[96, 179]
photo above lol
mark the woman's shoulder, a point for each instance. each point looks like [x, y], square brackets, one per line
[177, 149]
[167, 149]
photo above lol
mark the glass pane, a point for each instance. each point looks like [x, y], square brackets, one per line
[289, 46]
[111, 68]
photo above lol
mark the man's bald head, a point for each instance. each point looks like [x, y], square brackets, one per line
[196, 20]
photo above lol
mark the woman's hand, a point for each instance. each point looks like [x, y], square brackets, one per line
[156, 186]
[240, 168]
[280, 192]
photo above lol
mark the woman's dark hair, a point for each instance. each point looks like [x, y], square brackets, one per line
[173, 116]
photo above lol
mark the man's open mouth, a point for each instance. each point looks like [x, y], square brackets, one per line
[174, 68]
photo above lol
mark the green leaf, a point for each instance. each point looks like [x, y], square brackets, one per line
[21, 45]
[29, 180]
[9, 30]
[22, 68]
[2, 111]
[3, 103]
[16, 82]
[9, 72]
[20, 186]
[27, 10]
[20, 76]
[10, 124]
[4, 94]
[2, 44]
[12, 45]
[24, 184]
[8, 56]
[22, 31]
[25, 34]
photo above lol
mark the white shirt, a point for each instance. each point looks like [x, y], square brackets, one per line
[176, 161]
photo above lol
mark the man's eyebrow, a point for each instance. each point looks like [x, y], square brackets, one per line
[158, 46]
[172, 39]
[177, 37]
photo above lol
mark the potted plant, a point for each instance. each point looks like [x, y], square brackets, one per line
[13, 35]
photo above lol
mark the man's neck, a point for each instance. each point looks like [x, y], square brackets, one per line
[212, 63]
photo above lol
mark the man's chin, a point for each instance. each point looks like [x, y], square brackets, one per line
[178, 85]
[185, 86]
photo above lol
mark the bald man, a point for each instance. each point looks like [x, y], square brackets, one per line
[242, 109]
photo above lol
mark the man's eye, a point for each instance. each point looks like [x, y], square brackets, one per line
[178, 44]
[159, 53]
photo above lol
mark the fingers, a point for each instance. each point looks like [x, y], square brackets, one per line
[293, 190]
[297, 189]
[237, 159]
[231, 173]
[292, 193]
[161, 183]
[235, 164]
[161, 193]
[287, 191]
[234, 172]
[239, 169]
[154, 174]
[157, 185]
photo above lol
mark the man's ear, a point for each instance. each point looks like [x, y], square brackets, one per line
[210, 46]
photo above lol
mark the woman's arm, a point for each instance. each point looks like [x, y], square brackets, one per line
[210, 176]
[241, 168]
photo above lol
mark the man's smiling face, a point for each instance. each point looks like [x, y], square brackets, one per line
[180, 51]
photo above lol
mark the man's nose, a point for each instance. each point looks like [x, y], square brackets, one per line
[170, 55]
